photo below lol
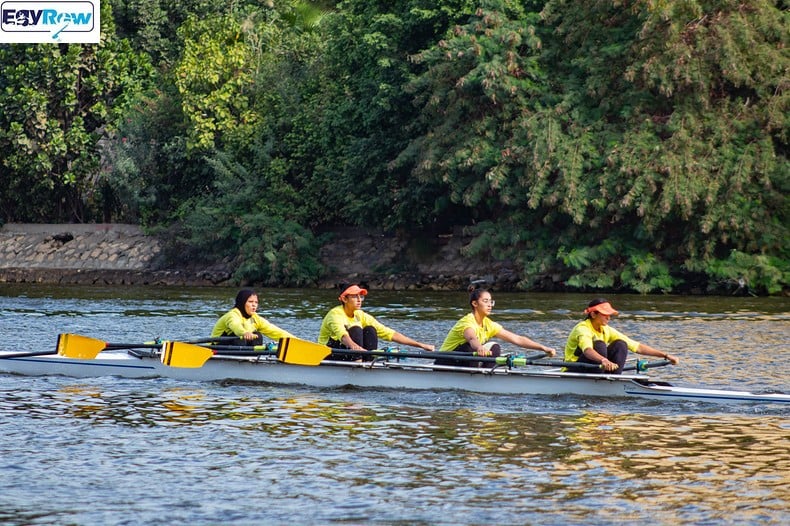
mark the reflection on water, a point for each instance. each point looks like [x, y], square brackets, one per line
[732, 464]
[350, 456]
[111, 451]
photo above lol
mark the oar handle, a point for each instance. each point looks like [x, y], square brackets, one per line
[644, 365]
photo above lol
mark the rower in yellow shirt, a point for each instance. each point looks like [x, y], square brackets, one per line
[471, 334]
[592, 341]
[243, 321]
[347, 326]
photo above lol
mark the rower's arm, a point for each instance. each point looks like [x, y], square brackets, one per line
[405, 340]
[523, 341]
[474, 343]
[650, 351]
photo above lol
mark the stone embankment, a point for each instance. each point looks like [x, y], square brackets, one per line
[89, 254]
[114, 254]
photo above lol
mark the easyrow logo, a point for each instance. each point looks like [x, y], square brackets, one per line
[50, 22]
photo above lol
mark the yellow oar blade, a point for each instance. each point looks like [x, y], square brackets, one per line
[78, 346]
[300, 352]
[179, 354]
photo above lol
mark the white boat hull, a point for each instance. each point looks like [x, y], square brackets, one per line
[393, 375]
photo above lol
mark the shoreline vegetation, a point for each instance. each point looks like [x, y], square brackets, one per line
[118, 254]
[546, 145]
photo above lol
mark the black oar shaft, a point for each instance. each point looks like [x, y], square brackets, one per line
[119, 346]
[427, 355]
[441, 355]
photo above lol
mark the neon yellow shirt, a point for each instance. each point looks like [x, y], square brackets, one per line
[583, 335]
[336, 325]
[484, 332]
[232, 323]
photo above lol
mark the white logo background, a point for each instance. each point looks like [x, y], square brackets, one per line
[32, 22]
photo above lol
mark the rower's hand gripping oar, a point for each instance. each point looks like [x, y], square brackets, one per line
[289, 350]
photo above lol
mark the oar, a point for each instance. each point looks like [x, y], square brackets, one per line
[219, 340]
[72, 345]
[87, 348]
[644, 365]
[269, 348]
[510, 361]
[499, 360]
[640, 366]
[289, 350]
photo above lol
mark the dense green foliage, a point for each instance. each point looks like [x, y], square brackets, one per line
[59, 103]
[610, 144]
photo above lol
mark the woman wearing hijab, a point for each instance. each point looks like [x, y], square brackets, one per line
[347, 326]
[471, 334]
[243, 321]
[592, 341]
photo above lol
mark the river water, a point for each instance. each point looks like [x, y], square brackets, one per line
[114, 451]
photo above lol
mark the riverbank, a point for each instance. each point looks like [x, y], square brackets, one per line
[116, 254]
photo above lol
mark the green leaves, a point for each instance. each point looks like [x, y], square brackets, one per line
[212, 78]
[651, 127]
[602, 144]
[749, 273]
[59, 103]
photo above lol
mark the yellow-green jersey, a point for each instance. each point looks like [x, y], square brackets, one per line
[233, 323]
[583, 335]
[484, 332]
[336, 324]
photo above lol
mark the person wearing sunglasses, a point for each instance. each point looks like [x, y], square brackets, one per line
[347, 326]
[592, 341]
[471, 334]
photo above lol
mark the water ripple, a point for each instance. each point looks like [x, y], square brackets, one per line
[115, 451]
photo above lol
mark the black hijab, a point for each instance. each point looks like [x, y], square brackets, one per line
[241, 299]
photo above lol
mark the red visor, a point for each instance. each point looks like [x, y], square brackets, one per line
[603, 308]
[353, 289]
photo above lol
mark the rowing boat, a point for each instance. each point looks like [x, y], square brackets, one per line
[385, 372]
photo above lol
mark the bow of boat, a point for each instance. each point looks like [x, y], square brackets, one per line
[666, 391]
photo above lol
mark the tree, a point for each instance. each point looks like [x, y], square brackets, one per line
[359, 119]
[60, 102]
[645, 139]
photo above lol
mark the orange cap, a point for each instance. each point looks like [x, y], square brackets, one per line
[353, 289]
[603, 308]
